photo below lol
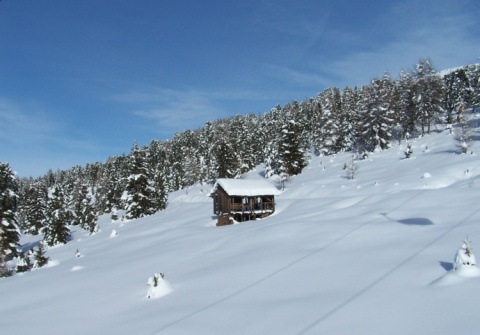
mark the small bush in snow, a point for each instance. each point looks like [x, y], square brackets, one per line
[351, 168]
[5, 270]
[39, 257]
[463, 134]
[157, 286]
[409, 151]
[464, 255]
[23, 263]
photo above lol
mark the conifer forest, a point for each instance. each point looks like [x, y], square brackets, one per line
[355, 119]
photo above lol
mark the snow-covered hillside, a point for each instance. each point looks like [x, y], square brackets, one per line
[372, 255]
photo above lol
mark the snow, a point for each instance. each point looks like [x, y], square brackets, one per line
[246, 187]
[372, 255]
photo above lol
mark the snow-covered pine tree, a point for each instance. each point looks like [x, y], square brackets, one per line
[463, 132]
[84, 209]
[56, 229]
[24, 263]
[5, 270]
[328, 123]
[406, 113]
[428, 95]
[292, 153]
[111, 185]
[33, 208]
[351, 167]
[350, 118]
[458, 94]
[140, 200]
[39, 256]
[316, 121]
[377, 115]
[225, 160]
[159, 180]
[9, 231]
[338, 126]
[89, 214]
[473, 74]
[205, 151]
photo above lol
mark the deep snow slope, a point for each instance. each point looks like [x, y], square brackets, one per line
[365, 256]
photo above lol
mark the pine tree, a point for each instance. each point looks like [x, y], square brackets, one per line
[56, 230]
[140, 200]
[328, 122]
[225, 164]
[206, 144]
[9, 231]
[24, 263]
[459, 94]
[292, 154]
[351, 168]
[407, 114]
[84, 209]
[463, 133]
[5, 270]
[378, 116]
[428, 95]
[317, 121]
[39, 257]
[347, 120]
[33, 208]
[272, 159]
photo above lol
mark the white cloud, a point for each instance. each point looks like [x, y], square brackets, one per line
[176, 110]
[445, 35]
[23, 124]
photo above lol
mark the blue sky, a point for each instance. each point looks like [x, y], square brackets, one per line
[82, 80]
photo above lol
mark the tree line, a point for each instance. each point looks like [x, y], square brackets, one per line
[358, 119]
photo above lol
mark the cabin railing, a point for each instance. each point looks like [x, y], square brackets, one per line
[241, 207]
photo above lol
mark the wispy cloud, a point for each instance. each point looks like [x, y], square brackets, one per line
[177, 110]
[326, 54]
[299, 77]
[23, 124]
[32, 141]
[412, 31]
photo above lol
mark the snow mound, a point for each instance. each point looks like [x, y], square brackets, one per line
[158, 286]
[457, 276]
[464, 267]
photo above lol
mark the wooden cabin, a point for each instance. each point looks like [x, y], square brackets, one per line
[242, 199]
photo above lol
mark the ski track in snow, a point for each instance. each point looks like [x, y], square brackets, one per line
[382, 277]
[362, 252]
[310, 254]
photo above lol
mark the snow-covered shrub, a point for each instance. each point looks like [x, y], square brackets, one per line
[157, 286]
[351, 168]
[463, 134]
[23, 263]
[408, 151]
[464, 256]
[39, 257]
[5, 270]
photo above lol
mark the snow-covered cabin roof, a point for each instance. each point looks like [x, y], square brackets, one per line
[246, 187]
